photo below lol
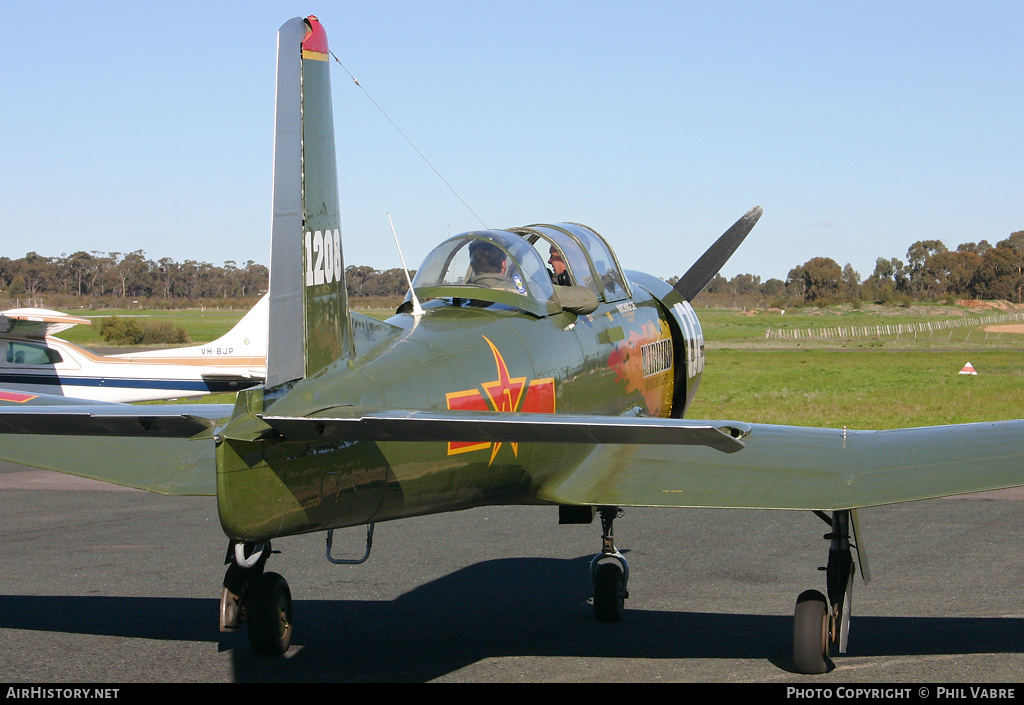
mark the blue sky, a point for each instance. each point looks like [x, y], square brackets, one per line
[859, 127]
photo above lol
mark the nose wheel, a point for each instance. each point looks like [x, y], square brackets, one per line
[609, 572]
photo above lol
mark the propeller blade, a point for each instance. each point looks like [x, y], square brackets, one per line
[709, 264]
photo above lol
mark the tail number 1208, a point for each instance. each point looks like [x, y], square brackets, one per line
[323, 257]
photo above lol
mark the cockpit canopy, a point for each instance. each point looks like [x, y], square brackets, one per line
[508, 267]
[487, 265]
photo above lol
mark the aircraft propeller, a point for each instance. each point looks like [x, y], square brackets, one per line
[709, 264]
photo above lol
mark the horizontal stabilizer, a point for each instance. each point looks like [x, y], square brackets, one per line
[459, 426]
[177, 421]
[171, 466]
[165, 449]
[225, 376]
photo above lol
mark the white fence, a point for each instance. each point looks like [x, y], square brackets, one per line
[890, 329]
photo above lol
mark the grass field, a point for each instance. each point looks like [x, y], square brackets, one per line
[876, 381]
[865, 381]
[860, 389]
[201, 326]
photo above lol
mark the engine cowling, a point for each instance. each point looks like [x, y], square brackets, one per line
[687, 339]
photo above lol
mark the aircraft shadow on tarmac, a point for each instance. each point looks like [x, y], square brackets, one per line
[526, 607]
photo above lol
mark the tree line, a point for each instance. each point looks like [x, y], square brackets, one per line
[101, 276]
[128, 276]
[931, 272]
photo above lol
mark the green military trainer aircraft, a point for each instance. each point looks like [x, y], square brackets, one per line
[499, 381]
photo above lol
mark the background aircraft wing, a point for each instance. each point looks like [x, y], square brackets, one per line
[789, 467]
[36, 322]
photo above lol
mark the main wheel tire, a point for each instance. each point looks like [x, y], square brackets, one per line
[268, 615]
[810, 633]
[609, 595]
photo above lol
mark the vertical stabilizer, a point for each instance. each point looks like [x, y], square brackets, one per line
[309, 321]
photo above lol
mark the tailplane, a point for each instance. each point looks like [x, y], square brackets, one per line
[309, 319]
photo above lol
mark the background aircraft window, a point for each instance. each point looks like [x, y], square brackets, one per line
[29, 354]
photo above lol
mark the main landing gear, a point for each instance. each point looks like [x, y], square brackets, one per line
[609, 572]
[820, 621]
[257, 599]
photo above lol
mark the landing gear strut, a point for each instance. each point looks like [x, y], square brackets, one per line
[820, 621]
[609, 572]
[258, 599]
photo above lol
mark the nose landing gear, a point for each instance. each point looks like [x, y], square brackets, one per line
[609, 572]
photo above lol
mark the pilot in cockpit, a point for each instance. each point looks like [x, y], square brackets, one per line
[490, 267]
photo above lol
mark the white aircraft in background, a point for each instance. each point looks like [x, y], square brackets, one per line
[32, 361]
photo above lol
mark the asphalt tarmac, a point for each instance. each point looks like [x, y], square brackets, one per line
[105, 585]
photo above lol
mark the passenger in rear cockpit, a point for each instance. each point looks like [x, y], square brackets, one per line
[580, 300]
[559, 272]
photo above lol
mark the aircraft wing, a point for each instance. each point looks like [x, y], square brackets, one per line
[391, 425]
[36, 322]
[689, 463]
[634, 461]
[790, 467]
